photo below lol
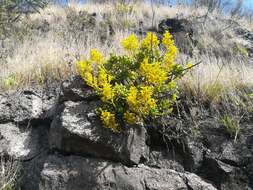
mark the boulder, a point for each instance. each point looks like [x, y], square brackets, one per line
[25, 106]
[74, 89]
[78, 173]
[77, 130]
[224, 176]
[229, 154]
[174, 25]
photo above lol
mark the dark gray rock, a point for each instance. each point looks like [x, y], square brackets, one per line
[196, 183]
[78, 173]
[23, 143]
[25, 106]
[196, 152]
[226, 163]
[248, 36]
[224, 176]
[174, 25]
[5, 108]
[75, 89]
[229, 154]
[165, 160]
[77, 130]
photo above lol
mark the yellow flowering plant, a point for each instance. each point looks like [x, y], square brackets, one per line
[136, 86]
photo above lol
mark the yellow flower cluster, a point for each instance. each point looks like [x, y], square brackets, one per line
[150, 41]
[153, 72]
[101, 81]
[109, 120]
[141, 101]
[96, 56]
[130, 43]
[170, 55]
[107, 92]
[167, 40]
[85, 70]
[105, 86]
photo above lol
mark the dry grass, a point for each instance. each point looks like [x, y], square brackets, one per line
[51, 55]
[9, 171]
[215, 77]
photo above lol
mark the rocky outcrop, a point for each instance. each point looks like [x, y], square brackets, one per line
[70, 172]
[61, 144]
[27, 105]
[77, 130]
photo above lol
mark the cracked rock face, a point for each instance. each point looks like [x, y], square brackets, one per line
[62, 145]
[77, 130]
[78, 173]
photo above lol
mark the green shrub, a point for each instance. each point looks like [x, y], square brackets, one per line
[136, 86]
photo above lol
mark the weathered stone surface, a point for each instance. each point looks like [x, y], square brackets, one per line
[196, 183]
[224, 176]
[22, 144]
[229, 154]
[165, 160]
[25, 106]
[196, 152]
[248, 36]
[226, 163]
[75, 89]
[78, 173]
[77, 130]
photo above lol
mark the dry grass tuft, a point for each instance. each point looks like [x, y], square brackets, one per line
[9, 171]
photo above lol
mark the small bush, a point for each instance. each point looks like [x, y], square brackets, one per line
[136, 86]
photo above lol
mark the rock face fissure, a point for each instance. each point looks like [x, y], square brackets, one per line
[62, 145]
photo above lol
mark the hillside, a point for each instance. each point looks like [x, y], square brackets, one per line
[51, 137]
